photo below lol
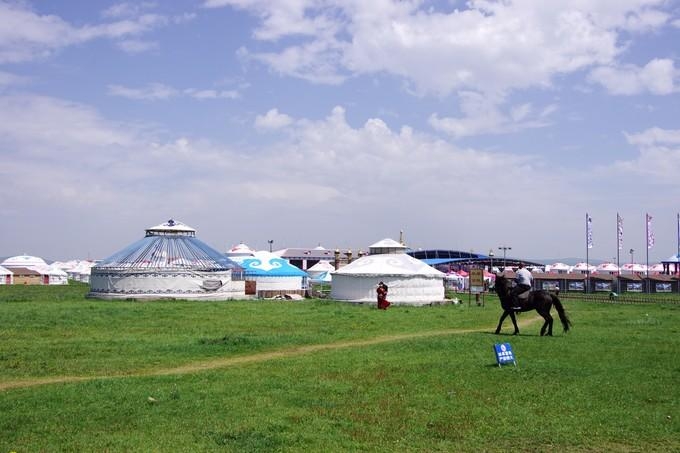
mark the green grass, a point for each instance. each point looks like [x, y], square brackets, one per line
[611, 384]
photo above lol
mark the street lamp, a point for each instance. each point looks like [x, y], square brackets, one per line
[505, 249]
[491, 256]
[271, 241]
[631, 256]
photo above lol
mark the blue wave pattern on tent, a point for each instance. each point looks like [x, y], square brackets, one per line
[269, 266]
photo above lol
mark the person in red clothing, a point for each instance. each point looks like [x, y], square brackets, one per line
[381, 292]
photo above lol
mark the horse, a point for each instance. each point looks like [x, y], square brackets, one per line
[539, 300]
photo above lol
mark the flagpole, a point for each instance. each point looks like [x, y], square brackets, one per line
[647, 238]
[588, 242]
[618, 252]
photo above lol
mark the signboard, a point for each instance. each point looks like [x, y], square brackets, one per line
[476, 280]
[504, 354]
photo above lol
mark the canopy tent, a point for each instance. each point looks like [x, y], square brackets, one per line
[169, 262]
[6, 276]
[272, 273]
[410, 281]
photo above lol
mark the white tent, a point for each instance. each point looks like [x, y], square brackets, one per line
[410, 281]
[27, 261]
[6, 276]
[272, 274]
[633, 268]
[607, 268]
[52, 275]
[656, 269]
[322, 267]
[583, 268]
[169, 262]
[558, 268]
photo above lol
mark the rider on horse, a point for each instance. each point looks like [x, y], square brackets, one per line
[523, 280]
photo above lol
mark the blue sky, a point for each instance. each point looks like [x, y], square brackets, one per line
[465, 124]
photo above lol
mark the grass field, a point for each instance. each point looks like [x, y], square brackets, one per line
[265, 376]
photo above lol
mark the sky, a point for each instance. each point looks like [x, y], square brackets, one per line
[464, 125]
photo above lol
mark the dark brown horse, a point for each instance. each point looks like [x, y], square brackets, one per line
[539, 300]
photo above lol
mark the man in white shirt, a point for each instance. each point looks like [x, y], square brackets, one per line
[523, 279]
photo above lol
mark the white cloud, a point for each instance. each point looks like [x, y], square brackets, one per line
[483, 115]
[26, 35]
[212, 94]
[488, 47]
[134, 46]
[9, 79]
[153, 91]
[272, 120]
[659, 77]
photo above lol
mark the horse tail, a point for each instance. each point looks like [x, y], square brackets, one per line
[566, 323]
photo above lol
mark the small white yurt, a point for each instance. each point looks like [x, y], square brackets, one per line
[633, 268]
[583, 268]
[240, 249]
[409, 280]
[607, 268]
[558, 268]
[52, 275]
[168, 263]
[6, 276]
[322, 268]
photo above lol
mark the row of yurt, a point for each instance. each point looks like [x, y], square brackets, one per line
[32, 270]
[409, 280]
[168, 263]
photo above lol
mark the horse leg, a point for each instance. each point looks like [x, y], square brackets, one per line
[500, 322]
[547, 325]
[514, 322]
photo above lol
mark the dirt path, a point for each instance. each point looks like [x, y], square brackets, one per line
[252, 358]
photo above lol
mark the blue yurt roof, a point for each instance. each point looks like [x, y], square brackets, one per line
[269, 265]
[171, 245]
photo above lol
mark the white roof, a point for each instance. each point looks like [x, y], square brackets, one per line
[171, 226]
[5, 271]
[322, 266]
[388, 244]
[390, 264]
[24, 261]
[240, 249]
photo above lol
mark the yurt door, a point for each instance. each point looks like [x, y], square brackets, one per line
[46, 279]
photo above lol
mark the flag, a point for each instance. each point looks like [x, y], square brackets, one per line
[619, 230]
[650, 233]
[589, 231]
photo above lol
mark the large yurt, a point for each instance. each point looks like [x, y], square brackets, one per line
[6, 276]
[27, 261]
[409, 280]
[33, 270]
[168, 263]
[268, 275]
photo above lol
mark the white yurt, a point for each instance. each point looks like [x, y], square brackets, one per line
[26, 261]
[6, 276]
[583, 268]
[409, 280]
[52, 275]
[168, 263]
[633, 268]
[239, 249]
[558, 268]
[272, 275]
[322, 268]
[607, 268]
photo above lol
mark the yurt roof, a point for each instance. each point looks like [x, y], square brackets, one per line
[322, 266]
[171, 227]
[672, 259]
[387, 243]
[5, 271]
[389, 264]
[23, 261]
[240, 249]
[267, 264]
[170, 246]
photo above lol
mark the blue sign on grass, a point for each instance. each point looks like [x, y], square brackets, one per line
[504, 354]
